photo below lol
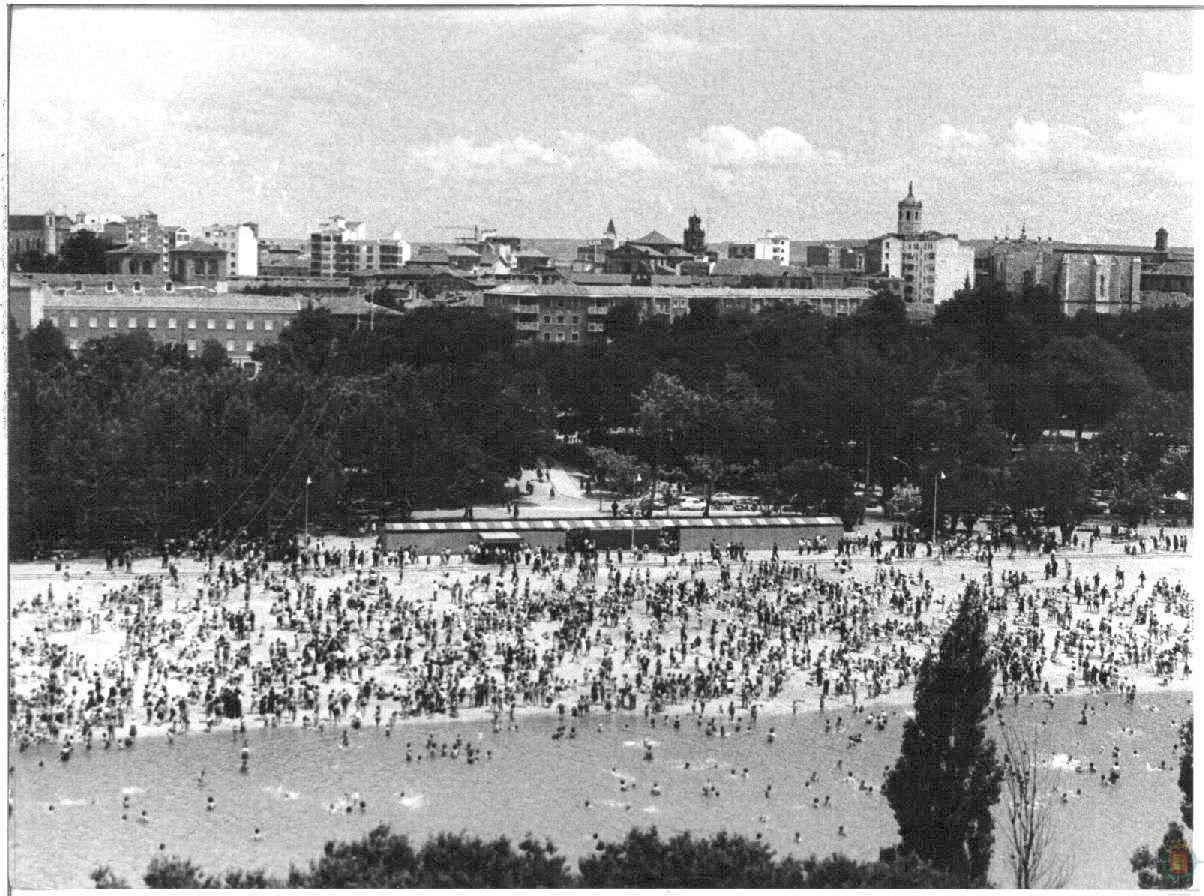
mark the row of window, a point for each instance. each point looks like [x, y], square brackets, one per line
[73, 322]
[547, 337]
[231, 345]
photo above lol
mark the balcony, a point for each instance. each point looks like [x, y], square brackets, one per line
[595, 328]
[528, 325]
[598, 310]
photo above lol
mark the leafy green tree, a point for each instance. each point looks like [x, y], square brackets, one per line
[45, 346]
[1057, 480]
[83, 253]
[947, 777]
[1087, 380]
[954, 419]
[892, 871]
[643, 860]
[622, 472]
[105, 879]
[1185, 770]
[622, 320]
[213, 356]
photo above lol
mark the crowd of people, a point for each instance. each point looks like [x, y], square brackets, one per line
[337, 633]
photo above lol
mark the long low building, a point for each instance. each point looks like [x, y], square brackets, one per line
[673, 533]
[576, 313]
[87, 307]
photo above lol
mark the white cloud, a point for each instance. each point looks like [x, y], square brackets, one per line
[647, 94]
[629, 154]
[464, 155]
[1166, 86]
[727, 146]
[1030, 140]
[1155, 124]
[952, 138]
[1062, 145]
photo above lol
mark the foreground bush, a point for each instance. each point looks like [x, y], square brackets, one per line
[386, 860]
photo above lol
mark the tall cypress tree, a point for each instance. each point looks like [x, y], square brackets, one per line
[947, 777]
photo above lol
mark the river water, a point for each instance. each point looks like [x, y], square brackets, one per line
[299, 783]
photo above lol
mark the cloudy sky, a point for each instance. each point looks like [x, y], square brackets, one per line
[548, 121]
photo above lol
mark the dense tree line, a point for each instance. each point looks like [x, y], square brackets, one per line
[438, 406]
[383, 860]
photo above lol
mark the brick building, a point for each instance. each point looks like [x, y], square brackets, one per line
[93, 306]
[575, 313]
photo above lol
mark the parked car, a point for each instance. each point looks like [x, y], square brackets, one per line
[692, 503]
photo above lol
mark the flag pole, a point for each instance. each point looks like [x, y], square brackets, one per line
[307, 482]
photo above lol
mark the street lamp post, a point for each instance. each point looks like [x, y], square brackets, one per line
[308, 482]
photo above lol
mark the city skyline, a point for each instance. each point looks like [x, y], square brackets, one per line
[549, 121]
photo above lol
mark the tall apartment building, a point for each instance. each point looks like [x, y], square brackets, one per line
[325, 257]
[340, 247]
[773, 247]
[933, 266]
[241, 245]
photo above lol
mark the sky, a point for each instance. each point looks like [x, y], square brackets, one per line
[548, 121]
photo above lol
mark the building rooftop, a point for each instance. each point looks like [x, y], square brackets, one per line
[180, 301]
[749, 267]
[353, 306]
[654, 238]
[621, 291]
[199, 247]
[133, 249]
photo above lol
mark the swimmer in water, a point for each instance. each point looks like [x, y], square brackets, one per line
[210, 804]
[258, 835]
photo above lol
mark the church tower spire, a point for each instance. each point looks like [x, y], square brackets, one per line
[910, 211]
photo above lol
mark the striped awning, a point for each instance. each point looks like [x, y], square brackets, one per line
[613, 524]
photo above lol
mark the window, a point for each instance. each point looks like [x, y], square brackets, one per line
[192, 323]
[79, 285]
[168, 286]
[576, 319]
[250, 346]
[559, 318]
[109, 286]
[192, 345]
[267, 325]
[73, 344]
[171, 323]
[112, 323]
[229, 345]
[211, 324]
[133, 323]
[54, 320]
[73, 321]
[150, 323]
[547, 337]
[560, 337]
[250, 325]
[137, 286]
[547, 318]
[575, 336]
[92, 323]
[230, 324]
